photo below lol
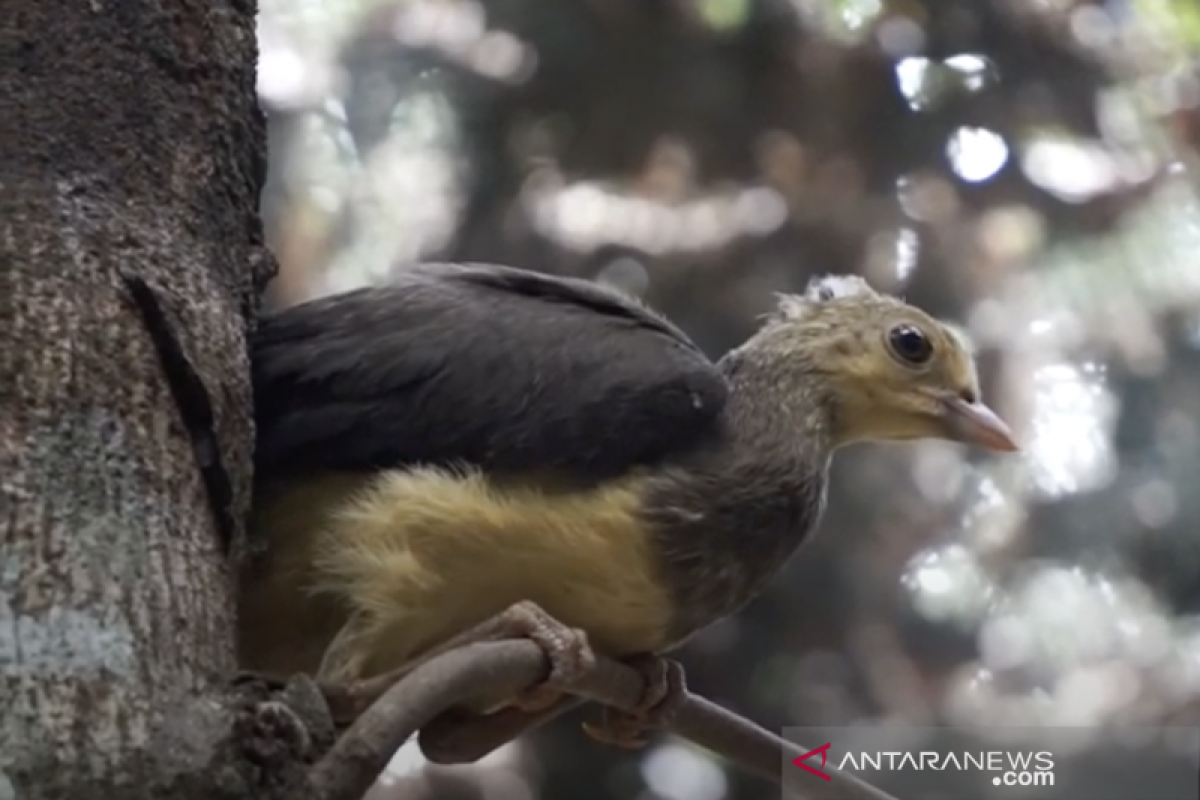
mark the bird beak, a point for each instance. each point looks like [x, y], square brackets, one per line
[975, 423]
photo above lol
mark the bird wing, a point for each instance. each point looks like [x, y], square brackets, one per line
[497, 367]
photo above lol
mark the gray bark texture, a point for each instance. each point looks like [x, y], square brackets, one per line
[130, 264]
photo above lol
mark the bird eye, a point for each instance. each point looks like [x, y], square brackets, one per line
[910, 344]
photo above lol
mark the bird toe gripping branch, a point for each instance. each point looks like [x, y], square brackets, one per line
[666, 692]
[566, 648]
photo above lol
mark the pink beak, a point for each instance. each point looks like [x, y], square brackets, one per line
[975, 423]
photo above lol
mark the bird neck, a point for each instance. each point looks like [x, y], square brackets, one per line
[740, 505]
[780, 404]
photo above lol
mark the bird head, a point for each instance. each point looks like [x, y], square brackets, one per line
[891, 371]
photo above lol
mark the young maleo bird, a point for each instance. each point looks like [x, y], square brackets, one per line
[475, 438]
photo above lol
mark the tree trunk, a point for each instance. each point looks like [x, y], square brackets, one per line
[130, 264]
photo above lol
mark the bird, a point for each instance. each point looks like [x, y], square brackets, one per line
[484, 448]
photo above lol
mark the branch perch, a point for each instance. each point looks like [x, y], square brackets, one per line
[363, 751]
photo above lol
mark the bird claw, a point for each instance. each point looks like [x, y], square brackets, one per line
[666, 690]
[567, 648]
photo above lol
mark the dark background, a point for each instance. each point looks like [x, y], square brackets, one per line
[1026, 167]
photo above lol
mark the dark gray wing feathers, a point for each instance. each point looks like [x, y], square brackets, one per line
[496, 367]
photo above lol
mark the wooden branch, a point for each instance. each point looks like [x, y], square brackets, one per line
[363, 751]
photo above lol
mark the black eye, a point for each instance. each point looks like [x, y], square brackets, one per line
[909, 343]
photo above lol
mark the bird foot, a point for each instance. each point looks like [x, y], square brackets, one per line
[666, 691]
[567, 648]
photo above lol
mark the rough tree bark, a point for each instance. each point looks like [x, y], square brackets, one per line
[131, 259]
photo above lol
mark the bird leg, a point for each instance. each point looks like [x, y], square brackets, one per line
[666, 690]
[567, 649]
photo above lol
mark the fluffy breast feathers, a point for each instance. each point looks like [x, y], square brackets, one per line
[404, 560]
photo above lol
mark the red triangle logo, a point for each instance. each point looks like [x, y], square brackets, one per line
[823, 750]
